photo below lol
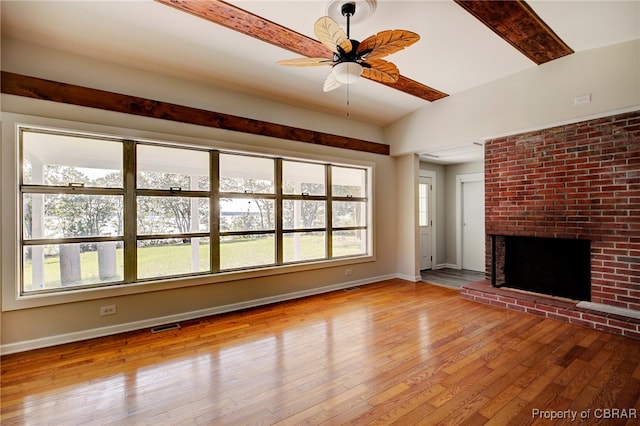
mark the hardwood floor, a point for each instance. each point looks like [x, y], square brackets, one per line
[391, 352]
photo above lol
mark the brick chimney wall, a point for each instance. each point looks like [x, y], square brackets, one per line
[580, 180]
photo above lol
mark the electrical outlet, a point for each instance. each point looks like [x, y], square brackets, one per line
[582, 99]
[108, 310]
[348, 272]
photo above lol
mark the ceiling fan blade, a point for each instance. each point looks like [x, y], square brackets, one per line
[331, 35]
[331, 83]
[305, 62]
[382, 71]
[385, 43]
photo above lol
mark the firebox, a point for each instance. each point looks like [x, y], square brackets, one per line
[552, 266]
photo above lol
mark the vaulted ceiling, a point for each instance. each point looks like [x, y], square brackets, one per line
[463, 44]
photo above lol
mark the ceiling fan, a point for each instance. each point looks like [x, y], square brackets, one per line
[352, 58]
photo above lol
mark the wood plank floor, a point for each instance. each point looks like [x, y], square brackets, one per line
[391, 352]
[449, 277]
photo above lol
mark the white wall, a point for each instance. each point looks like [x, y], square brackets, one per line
[58, 319]
[37, 61]
[408, 237]
[532, 99]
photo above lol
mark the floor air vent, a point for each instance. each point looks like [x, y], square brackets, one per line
[166, 327]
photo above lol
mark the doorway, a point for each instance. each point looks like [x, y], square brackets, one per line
[471, 231]
[425, 221]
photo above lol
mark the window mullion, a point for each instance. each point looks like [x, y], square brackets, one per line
[130, 211]
[169, 193]
[69, 190]
[247, 196]
[329, 209]
[214, 210]
[279, 212]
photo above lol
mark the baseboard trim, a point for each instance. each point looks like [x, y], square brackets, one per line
[409, 278]
[61, 339]
[447, 265]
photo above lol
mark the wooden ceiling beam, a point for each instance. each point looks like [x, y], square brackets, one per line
[247, 23]
[520, 26]
[414, 88]
[37, 88]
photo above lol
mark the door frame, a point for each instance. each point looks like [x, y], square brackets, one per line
[460, 179]
[429, 174]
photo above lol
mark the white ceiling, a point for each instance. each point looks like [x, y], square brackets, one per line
[455, 53]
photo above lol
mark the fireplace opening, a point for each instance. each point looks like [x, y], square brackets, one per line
[552, 266]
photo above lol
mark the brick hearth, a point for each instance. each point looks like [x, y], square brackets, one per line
[555, 308]
[578, 181]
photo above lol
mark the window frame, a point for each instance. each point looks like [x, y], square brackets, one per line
[130, 192]
[70, 189]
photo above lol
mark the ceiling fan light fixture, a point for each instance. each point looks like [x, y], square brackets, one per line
[347, 72]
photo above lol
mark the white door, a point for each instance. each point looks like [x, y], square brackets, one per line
[473, 238]
[425, 222]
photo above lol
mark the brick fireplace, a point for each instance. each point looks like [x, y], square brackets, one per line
[574, 182]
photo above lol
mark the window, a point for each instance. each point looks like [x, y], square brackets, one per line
[423, 203]
[172, 212]
[349, 211]
[72, 211]
[103, 211]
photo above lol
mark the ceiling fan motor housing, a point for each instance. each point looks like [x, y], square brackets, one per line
[352, 56]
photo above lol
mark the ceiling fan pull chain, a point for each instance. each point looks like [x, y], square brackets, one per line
[348, 104]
